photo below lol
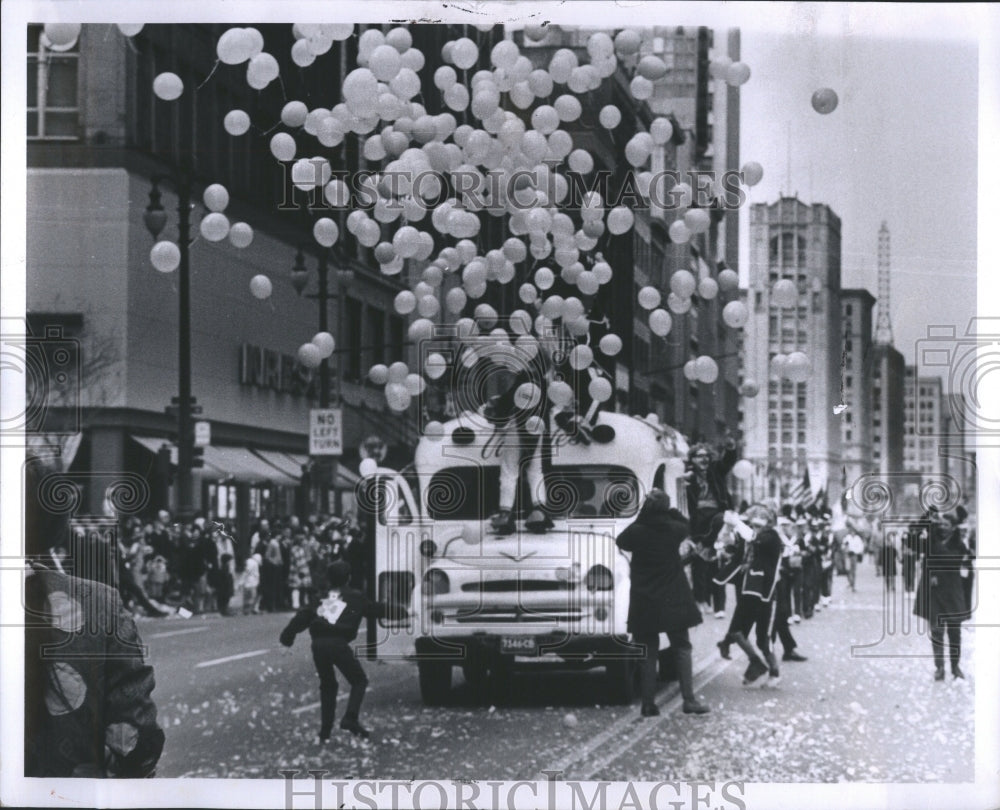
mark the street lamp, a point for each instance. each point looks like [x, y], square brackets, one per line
[155, 219]
[300, 279]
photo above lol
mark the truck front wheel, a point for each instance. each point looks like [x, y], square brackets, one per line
[435, 682]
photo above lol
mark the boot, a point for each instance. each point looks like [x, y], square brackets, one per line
[773, 673]
[503, 522]
[686, 677]
[352, 725]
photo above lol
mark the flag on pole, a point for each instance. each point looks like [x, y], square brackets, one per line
[801, 495]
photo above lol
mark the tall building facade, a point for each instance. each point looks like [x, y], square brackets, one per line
[789, 425]
[857, 389]
[924, 424]
[887, 414]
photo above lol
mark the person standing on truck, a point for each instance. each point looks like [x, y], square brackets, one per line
[333, 625]
[660, 599]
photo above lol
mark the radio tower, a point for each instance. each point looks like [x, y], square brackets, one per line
[883, 327]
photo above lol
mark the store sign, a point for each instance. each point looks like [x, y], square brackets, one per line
[202, 434]
[271, 370]
[326, 432]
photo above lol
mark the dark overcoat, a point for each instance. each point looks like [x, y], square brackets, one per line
[660, 598]
[940, 596]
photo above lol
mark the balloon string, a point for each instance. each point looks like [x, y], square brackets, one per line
[211, 73]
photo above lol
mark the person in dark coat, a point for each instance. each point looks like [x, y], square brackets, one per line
[333, 625]
[660, 599]
[940, 595]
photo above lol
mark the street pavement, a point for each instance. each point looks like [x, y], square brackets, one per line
[863, 708]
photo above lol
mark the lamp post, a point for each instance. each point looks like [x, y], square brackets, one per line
[155, 219]
[300, 279]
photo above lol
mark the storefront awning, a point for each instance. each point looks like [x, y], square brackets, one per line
[291, 464]
[237, 463]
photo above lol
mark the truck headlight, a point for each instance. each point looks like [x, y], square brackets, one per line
[436, 582]
[599, 578]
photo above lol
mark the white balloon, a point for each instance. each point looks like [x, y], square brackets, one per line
[729, 280]
[283, 146]
[368, 466]
[168, 86]
[435, 366]
[215, 197]
[235, 46]
[743, 469]
[527, 396]
[325, 343]
[165, 256]
[609, 116]
[240, 235]
[236, 122]
[260, 286]
[610, 345]
[735, 314]
[415, 384]
[660, 322]
[798, 367]
[706, 369]
[325, 231]
[679, 232]
[620, 220]
[560, 393]
[130, 29]
[677, 304]
[683, 283]
[581, 357]
[464, 53]
[784, 293]
[214, 227]
[405, 302]
[708, 288]
[379, 374]
[752, 172]
[649, 298]
[697, 220]
[600, 389]
[294, 113]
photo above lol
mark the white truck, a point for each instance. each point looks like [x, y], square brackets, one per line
[485, 602]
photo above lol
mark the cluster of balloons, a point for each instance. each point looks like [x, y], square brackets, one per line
[702, 369]
[317, 350]
[795, 366]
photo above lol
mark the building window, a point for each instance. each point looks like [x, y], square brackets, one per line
[802, 437]
[397, 335]
[849, 381]
[847, 435]
[848, 310]
[53, 108]
[376, 325]
[352, 339]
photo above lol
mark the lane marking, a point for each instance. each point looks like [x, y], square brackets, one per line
[707, 669]
[178, 632]
[229, 658]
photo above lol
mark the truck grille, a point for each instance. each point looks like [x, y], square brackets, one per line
[517, 585]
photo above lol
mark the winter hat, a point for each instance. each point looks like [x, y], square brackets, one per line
[338, 573]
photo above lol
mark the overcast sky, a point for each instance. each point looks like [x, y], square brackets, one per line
[900, 147]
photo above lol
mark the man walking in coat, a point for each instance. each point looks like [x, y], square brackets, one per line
[660, 600]
[940, 596]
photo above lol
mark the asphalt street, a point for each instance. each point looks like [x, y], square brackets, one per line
[864, 708]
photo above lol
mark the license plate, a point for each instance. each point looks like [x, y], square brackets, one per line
[519, 645]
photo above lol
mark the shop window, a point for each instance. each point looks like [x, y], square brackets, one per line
[53, 106]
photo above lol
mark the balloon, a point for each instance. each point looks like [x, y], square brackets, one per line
[627, 42]
[445, 77]
[778, 364]
[798, 367]
[599, 389]
[752, 172]
[649, 298]
[560, 393]
[215, 197]
[165, 256]
[737, 73]
[568, 108]
[679, 232]
[609, 116]
[309, 355]
[283, 146]
[294, 113]
[784, 293]
[706, 369]
[545, 119]
[749, 389]
[360, 91]
[262, 69]
[603, 272]
[405, 302]
[515, 250]
[637, 150]
[620, 220]
[580, 357]
[552, 307]
[397, 372]
[464, 53]
[236, 122]
[661, 130]
[385, 62]
[683, 284]
[61, 36]
[325, 231]
[708, 288]
[434, 430]
[415, 384]
[129, 29]
[235, 46]
[824, 101]
[168, 86]
[435, 366]
[735, 314]
[660, 322]
[428, 306]
[544, 278]
[678, 304]
[527, 395]
[240, 235]
[398, 397]
[743, 469]
[368, 466]
[325, 343]
[535, 425]
[641, 88]
[729, 280]
[652, 68]
[378, 374]
[610, 345]
[691, 370]
[528, 293]
[455, 300]
[581, 161]
[697, 220]
[260, 286]
[215, 227]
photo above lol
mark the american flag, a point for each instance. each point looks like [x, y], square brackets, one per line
[801, 495]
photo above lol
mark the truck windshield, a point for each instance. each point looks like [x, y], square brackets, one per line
[472, 493]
